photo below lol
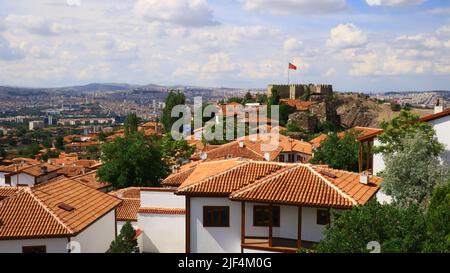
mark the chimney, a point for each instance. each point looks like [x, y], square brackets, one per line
[203, 156]
[439, 107]
[44, 169]
[241, 144]
[364, 178]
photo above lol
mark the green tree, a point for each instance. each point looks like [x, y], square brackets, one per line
[172, 100]
[2, 152]
[395, 229]
[132, 161]
[131, 123]
[173, 151]
[59, 143]
[30, 151]
[261, 98]
[306, 94]
[402, 126]
[395, 107]
[126, 241]
[412, 173]
[235, 99]
[438, 219]
[248, 98]
[285, 111]
[339, 152]
[274, 99]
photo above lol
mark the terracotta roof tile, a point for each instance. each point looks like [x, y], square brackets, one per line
[128, 210]
[162, 211]
[232, 179]
[176, 179]
[8, 191]
[36, 212]
[295, 184]
[90, 179]
[442, 114]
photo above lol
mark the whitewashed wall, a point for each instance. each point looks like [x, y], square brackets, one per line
[378, 161]
[22, 179]
[442, 128]
[215, 239]
[288, 223]
[161, 199]
[311, 231]
[54, 245]
[2, 180]
[162, 233]
[98, 236]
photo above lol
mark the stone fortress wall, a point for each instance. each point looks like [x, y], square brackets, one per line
[295, 91]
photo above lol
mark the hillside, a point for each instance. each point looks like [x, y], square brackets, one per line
[358, 110]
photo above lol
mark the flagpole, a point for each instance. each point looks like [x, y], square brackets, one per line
[288, 74]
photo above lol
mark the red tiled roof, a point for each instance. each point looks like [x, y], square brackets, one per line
[272, 182]
[37, 213]
[8, 191]
[90, 179]
[176, 179]
[299, 104]
[442, 114]
[231, 179]
[128, 210]
[162, 211]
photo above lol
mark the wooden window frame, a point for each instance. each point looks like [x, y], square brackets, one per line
[321, 219]
[274, 210]
[206, 223]
[26, 249]
[281, 158]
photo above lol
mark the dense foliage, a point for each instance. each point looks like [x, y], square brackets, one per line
[172, 100]
[126, 241]
[339, 152]
[174, 151]
[412, 173]
[133, 160]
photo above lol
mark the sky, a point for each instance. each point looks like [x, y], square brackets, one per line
[356, 45]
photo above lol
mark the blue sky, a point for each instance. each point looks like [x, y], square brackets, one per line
[356, 45]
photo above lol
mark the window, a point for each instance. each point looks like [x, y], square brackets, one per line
[323, 217]
[216, 216]
[299, 158]
[34, 249]
[261, 216]
[281, 158]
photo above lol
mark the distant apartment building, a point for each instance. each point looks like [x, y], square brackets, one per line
[85, 121]
[35, 124]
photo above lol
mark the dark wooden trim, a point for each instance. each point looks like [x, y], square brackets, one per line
[44, 247]
[299, 228]
[317, 217]
[270, 215]
[270, 225]
[242, 222]
[361, 148]
[368, 152]
[69, 248]
[188, 224]
[115, 223]
[274, 249]
[205, 222]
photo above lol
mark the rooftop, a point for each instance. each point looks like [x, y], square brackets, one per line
[61, 208]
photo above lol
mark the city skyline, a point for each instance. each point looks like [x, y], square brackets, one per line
[373, 45]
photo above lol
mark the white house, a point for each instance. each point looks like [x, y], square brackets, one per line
[27, 175]
[61, 216]
[228, 203]
[157, 215]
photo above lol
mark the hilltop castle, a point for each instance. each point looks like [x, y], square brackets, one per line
[295, 91]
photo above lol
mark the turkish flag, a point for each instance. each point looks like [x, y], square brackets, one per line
[293, 67]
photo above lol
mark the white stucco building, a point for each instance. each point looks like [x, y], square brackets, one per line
[228, 203]
[61, 216]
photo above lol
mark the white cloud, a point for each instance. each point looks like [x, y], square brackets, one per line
[9, 52]
[37, 25]
[292, 44]
[331, 72]
[74, 2]
[193, 13]
[345, 36]
[394, 2]
[285, 7]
